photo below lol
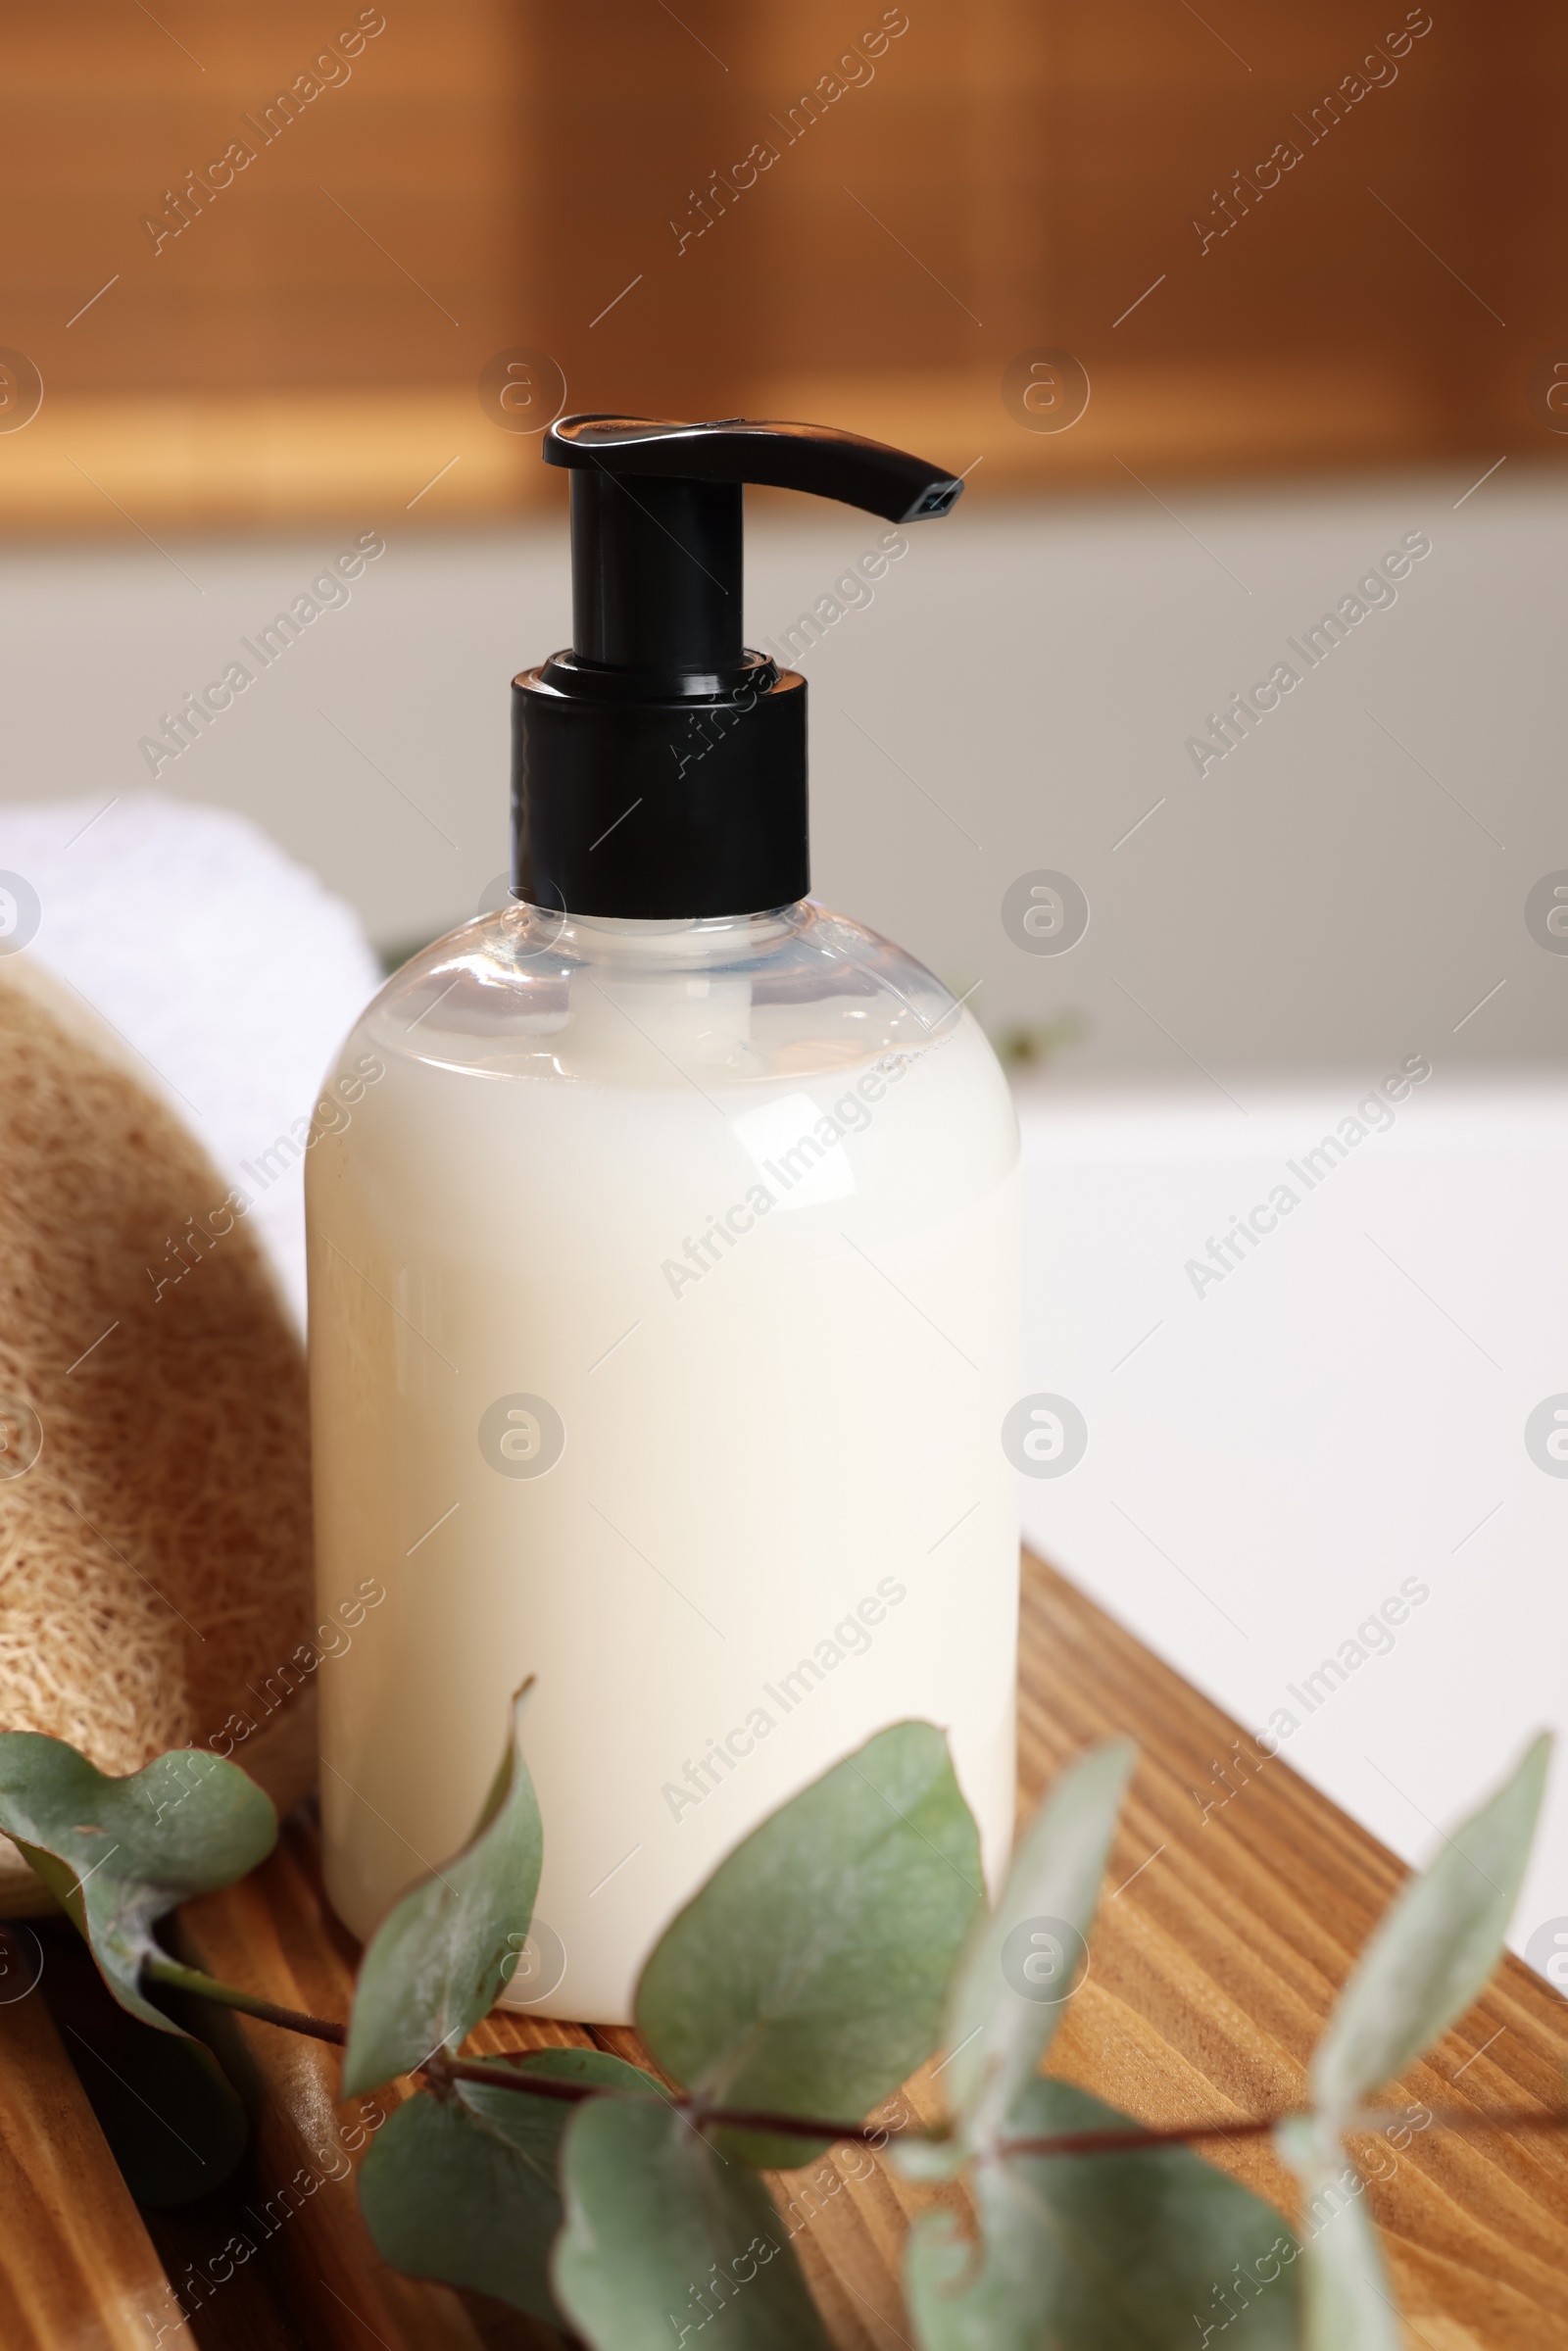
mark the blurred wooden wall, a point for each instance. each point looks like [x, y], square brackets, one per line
[859, 213]
[310, 336]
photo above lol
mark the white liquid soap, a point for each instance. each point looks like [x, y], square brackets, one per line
[664, 1298]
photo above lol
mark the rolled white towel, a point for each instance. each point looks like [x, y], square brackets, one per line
[231, 971]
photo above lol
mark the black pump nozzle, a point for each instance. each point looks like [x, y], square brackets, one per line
[659, 768]
[655, 529]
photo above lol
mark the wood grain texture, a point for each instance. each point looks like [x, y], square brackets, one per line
[78, 2267]
[1214, 1967]
[1235, 1904]
[274, 1934]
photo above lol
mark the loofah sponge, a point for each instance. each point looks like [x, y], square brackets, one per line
[155, 1554]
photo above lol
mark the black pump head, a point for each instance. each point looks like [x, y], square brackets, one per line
[659, 768]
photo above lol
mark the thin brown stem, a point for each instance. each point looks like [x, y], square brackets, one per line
[191, 1980]
[499, 2075]
[441, 2068]
[1181, 2135]
[1133, 2141]
[1120, 2142]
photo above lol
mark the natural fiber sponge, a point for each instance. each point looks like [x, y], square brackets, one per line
[154, 1553]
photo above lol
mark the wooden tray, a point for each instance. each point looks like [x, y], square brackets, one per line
[1235, 1902]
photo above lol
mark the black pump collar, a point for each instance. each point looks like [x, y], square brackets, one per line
[659, 768]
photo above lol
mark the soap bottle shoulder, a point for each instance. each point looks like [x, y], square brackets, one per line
[530, 995]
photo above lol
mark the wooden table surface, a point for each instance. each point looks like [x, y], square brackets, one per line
[1235, 1903]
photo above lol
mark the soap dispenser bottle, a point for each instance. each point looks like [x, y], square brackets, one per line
[663, 1285]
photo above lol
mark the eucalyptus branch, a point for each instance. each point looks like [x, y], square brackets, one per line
[587, 2229]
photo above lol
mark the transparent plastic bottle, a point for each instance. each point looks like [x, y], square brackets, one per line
[663, 1296]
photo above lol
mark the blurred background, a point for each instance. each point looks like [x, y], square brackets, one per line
[865, 214]
[1216, 310]
[272, 268]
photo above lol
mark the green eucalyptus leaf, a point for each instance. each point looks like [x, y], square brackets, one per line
[808, 1975]
[464, 2189]
[1437, 1947]
[1346, 2303]
[1016, 1971]
[669, 2241]
[119, 1854]
[1142, 2251]
[433, 1967]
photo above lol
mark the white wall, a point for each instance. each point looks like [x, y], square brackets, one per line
[1307, 1480]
